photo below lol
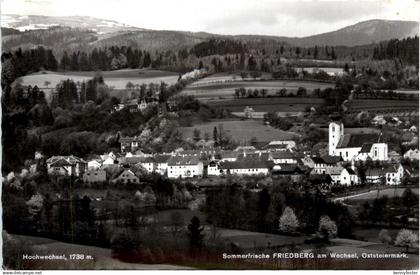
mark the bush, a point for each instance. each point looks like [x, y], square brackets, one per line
[406, 238]
[384, 237]
[288, 221]
[327, 227]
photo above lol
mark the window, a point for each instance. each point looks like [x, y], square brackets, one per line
[347, 154]
[333, 128]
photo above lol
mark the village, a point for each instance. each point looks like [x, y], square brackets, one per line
[276, 158]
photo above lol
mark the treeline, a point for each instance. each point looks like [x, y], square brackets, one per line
[20, 63]
[237, 208]
[106, 59]
[218, 47]
[406, 50]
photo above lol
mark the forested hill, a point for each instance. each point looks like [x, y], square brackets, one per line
[105, 33]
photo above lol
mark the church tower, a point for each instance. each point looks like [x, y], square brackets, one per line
[336, 130]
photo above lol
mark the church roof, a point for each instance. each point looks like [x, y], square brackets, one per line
[357, 140]
[366, 147]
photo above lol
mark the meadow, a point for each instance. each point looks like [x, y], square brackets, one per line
[382, 105]
[267, 104]
[117, 79]
[221, 87]
[240, 130]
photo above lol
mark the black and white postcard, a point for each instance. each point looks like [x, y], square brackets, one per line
[210, 135]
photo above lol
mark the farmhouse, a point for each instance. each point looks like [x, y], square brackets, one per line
[126, 176]
[355, 146]
[93, 176]
[184, 167]
[412, 154]
[247, 168]
[129, 144]
[385, 175]
[66, 166]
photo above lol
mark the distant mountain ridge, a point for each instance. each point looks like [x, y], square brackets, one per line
[111, 33]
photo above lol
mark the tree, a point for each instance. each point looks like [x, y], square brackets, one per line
[406, 238]
[384, 237]
[288, 221]
[327, 227]
[301, 92]
[215, 136]
[195, 233]
[196, 134]
[244, 75]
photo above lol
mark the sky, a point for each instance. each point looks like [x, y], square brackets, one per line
[294, 18]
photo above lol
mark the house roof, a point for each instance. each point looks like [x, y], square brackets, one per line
[61, 163]
[332, 159]
[126, 171]
[318, 160]
[247, 165]
[183, 160]
[71, 159]
[357, 140]
[161, 158]
[282, 155]
[253, 157]
[366, 147]
[351, 171]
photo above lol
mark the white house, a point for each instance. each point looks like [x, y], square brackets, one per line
[185, 167]
[94, 165]
[283, 157]
[355, 146]
[213, 169]
[248, 168]
[348, 177]
[412, 154]
[391, 175]
[66, 166]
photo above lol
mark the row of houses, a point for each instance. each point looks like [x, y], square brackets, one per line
[241, 162]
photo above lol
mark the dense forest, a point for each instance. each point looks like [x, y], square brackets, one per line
[218, 46]
[406, 50]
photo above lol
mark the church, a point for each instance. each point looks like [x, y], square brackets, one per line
[355, 146]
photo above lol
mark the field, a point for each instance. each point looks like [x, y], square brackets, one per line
[267, 104]
[115, 79]
[373, 194]
[219, 88]
[240, 130]
[382, 105]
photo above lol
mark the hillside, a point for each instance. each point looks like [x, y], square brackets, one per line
[362, 33]
[93, 32]
[36, 22]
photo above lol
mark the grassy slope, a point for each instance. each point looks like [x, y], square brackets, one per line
[239, 130]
